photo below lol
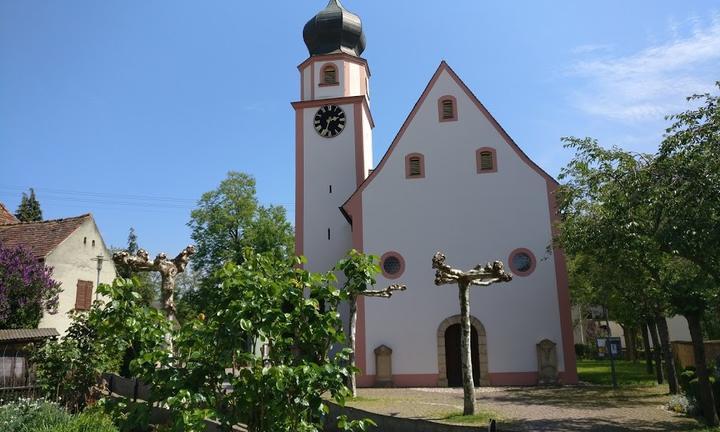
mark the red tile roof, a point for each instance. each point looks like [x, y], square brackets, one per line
[40, 237]
[6, 217]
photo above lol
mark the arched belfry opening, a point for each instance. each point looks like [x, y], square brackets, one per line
[449, 363]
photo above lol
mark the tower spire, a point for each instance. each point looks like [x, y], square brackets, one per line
[333, 30]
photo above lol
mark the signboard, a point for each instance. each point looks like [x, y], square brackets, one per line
[613, 344]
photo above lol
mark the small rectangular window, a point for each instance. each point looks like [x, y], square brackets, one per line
[328, 233]
[330, 188]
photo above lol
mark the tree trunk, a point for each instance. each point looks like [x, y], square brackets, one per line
[670, 372]
[632, 344]
[656, 350]
[646, 347]
[468, 384]
[707, 401]
[351, 341]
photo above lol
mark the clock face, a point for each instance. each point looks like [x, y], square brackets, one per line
[329, 121]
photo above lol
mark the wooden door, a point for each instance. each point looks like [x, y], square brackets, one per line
[453, 361]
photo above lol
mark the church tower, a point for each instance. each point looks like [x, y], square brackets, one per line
[333, 134]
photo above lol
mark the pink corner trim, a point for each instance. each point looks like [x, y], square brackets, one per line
[533, 262]
[360, 171]
[402, 264]
[299, 183]
[563, 291]
[407, 166]
[478, 154]
[443, 99]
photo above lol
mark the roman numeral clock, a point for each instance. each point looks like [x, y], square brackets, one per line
[329, 121]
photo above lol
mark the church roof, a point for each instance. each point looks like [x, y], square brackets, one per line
[40, 238]
[334, 30]
[444, 67]
[6, 217]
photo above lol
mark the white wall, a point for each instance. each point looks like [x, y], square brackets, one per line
[473, 218]
[72, 260]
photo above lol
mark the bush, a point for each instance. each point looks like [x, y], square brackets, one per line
[26, 415]
[580, 350]
[89, 421]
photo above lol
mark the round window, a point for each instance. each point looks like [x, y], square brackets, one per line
[522, 262]
[392, 265]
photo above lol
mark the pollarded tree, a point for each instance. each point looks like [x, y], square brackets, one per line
[27, 289]
[29, 208]
[360, 271]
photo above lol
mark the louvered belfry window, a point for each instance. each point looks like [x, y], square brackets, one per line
[330, 75]
[448, 110]
[83, 295]
[486, 161]
[415, 168]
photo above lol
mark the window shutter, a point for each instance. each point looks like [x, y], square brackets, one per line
[486, 161]
[448, 110]
[83, 295]
[415, 169]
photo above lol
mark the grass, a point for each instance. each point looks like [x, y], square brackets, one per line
[629, 374]
[480, 418]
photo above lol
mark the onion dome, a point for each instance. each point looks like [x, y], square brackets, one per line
[333, 30]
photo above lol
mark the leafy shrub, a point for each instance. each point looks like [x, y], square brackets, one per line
[580, 350]
[26, 415]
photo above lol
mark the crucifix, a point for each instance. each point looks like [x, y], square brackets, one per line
[168, 270]
[479, 276]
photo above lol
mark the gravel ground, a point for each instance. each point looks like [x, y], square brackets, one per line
[566, 409]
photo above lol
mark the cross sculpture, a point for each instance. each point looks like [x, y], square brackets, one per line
[168, 270]
[481, 276]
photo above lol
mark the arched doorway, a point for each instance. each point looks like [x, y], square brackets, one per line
[449, 361]
[453, 356]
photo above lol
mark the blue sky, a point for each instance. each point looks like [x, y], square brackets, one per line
[131, 109]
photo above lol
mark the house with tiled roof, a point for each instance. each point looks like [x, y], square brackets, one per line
[72, 247]
[6, 217]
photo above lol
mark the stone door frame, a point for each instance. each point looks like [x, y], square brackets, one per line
[482, 349]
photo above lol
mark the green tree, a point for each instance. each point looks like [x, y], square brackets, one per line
[147, 284]
[29, 208]
[607, 214]
[229, 219]
[688, 176]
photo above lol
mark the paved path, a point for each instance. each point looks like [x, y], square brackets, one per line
[568, 409]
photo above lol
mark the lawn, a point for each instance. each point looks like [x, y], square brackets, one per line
[629, 374]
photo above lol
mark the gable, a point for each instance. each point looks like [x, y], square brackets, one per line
[425, 125]
[40, 238]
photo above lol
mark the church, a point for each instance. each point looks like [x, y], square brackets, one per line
[452, 180]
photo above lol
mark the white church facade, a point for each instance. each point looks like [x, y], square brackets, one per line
[453, 181]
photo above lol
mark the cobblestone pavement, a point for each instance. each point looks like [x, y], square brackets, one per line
[567, 409]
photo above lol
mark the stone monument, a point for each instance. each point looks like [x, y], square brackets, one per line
[383, 366]
[547, 362]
